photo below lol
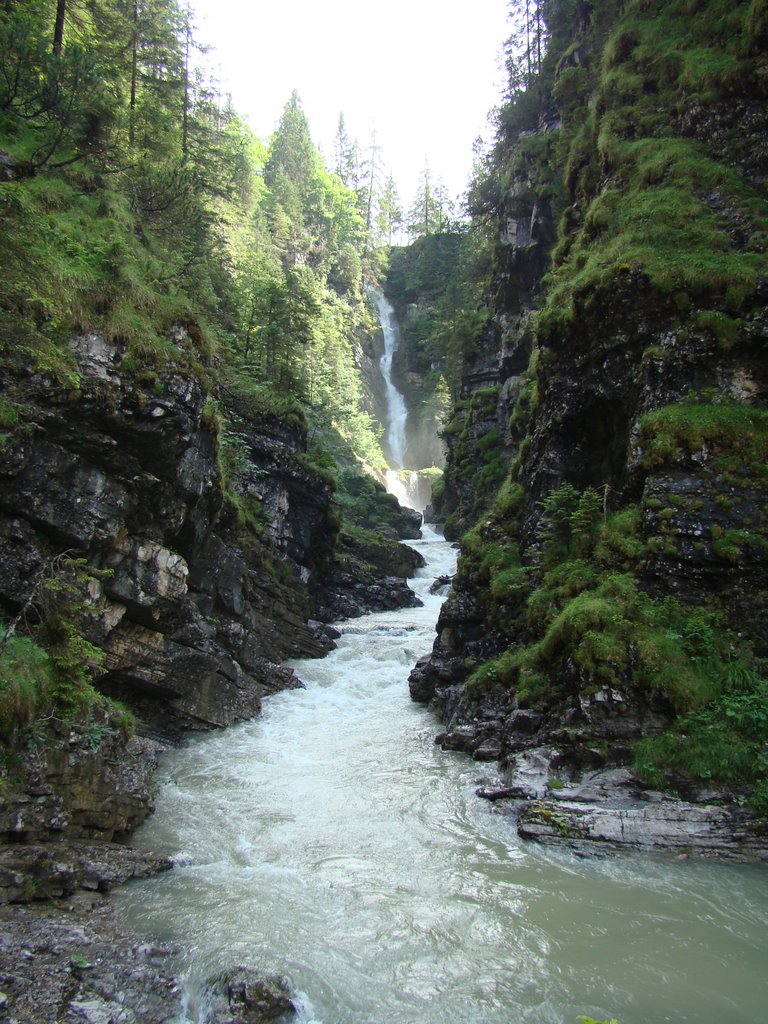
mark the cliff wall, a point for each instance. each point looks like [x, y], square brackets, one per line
[189, 591]
[608, 613]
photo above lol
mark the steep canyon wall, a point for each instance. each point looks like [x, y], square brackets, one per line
[614, 405]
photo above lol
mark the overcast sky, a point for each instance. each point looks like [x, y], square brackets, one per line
[423, 73]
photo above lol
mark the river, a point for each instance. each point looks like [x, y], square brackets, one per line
[331, 841]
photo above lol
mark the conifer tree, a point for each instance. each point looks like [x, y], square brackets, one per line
[390, 216]
[432, 209]
[345, 156]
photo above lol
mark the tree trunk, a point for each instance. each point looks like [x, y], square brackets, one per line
[134, 74]
[58, 29]
[185, 119]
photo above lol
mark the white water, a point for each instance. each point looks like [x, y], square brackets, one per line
[330, 840]
[397, 413]
[404, 486]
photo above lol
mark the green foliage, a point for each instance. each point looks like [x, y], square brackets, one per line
[724, 328]
[588, 625]
[647, 205]
[645, 189]
[736, 436]
[590, 629]
[65, 604]
[50, 675]
[440, 279]
[9, 416]
[365, 503]
[570, 523]
[152, 205]
[724, 741]
[26, 680]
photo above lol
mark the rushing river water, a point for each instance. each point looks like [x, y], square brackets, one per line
[331, 841]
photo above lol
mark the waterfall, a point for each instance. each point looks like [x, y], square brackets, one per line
[397, 413]
[405, 490]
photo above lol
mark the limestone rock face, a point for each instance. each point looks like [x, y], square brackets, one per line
[193, 610]
[673, 825]
[80, 783]
[603, 406]
[190, 610]
[125, 473]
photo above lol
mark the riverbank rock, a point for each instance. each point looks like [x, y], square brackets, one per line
[597, 393]
[30, 873]
[71, 964]
[411, 524]
[78, 781]
[655, 823]
[368, 574]
[568, 782]
[243, 996]
[195, 610]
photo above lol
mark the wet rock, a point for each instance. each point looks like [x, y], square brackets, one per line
[346, 596]
[243, 996]
[441, 585]
[72, 964]
[325, 634]
[410, 528]
[487, 750]
[529, 771]
[504, 793]
[55, 870]
[669, 825]
[433, 679]
[465, 738]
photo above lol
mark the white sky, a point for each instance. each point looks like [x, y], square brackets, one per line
[423, 73]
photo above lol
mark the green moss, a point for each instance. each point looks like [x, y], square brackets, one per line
[604, 631]
[735, 435]
[724, 328]
[438, 488]
[733, 544]
[365, 503]
[488, 441]
[9, 416]
[656, 216]
[724, 742]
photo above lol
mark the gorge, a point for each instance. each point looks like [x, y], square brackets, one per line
[333, 842]
[509, 764]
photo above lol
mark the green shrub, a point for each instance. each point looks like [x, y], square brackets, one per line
[26, 685]
[725, 741]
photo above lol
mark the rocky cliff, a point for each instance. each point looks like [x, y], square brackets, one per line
[191, 591]
[606, 633]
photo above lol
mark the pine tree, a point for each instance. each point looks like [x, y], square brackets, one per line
[58, 28]
[390, 218]
[369, 193]
[432, 209]
[292, 153]
[346, 155]
[525, 47]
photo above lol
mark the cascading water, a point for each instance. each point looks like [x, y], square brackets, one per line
[406, 491]
[331, 841]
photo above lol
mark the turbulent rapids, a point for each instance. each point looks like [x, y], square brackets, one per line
[331, 841]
